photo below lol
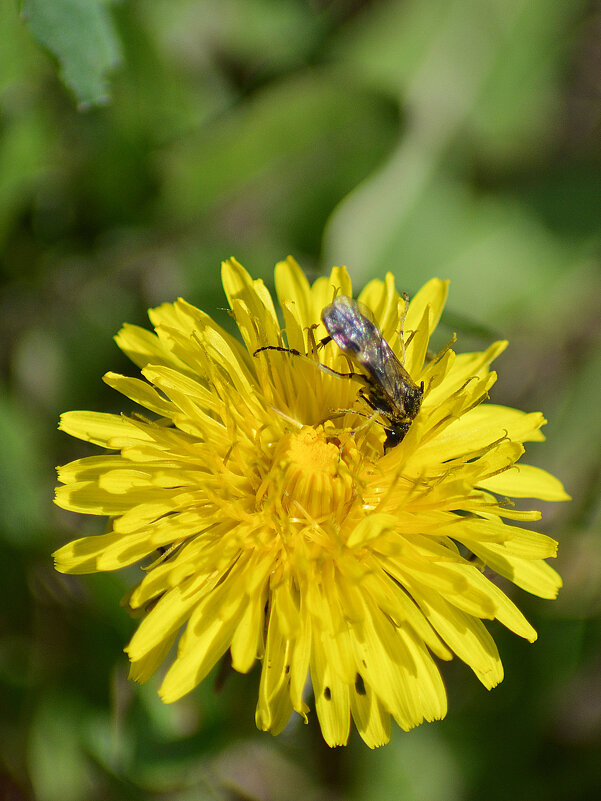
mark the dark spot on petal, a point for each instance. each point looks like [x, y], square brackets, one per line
[360, 685]
[327, 694]
[287, 669]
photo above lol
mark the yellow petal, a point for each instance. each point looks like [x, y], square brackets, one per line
[238, 285]
[144, 347]
[207, 637]
[165, 619]
[466, 635]
[526, 481]
[371, 718]
[293, 287]
[431, 297]
[100, 428]
[332, 699]
[532, 575]
[325, 289]
[102, 552]
[384, 302]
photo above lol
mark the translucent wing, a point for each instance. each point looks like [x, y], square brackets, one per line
[394, 392]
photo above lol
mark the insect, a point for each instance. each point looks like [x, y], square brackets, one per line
[388, 387]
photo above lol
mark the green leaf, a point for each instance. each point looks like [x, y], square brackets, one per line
[80, 34]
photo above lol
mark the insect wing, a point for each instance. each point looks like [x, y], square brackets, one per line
[361, 340]
[351, 330]
[392, 391]
[385, 369]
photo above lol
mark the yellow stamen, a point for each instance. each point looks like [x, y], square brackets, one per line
[312, 474]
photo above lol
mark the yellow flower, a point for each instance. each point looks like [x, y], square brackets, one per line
[286, 531]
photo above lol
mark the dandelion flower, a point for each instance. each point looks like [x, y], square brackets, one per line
[280, 524]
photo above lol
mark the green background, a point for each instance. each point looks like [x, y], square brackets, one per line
[141, 143]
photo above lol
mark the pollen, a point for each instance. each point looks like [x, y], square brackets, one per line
[313, 476]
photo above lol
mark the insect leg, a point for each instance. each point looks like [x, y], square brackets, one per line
[278, 348]
[369, 419]
[321, 344]
[322, 367]
[313, 345]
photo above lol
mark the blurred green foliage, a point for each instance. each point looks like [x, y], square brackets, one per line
[460, 138]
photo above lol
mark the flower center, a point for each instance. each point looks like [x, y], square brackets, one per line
[313, 476]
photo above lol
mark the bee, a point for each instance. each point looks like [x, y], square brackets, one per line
[388, 388]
